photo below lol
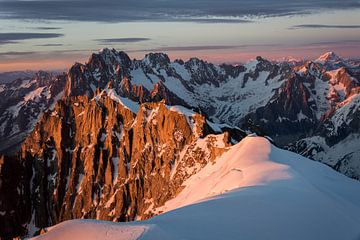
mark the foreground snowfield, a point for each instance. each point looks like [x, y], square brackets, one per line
[253, 191]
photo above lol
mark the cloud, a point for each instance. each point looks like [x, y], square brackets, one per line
[50, 45]
[160, 10]
[7, 38]
[325, 26]
[10, 54]
[340, 42]
[48, 28]
[122, 40]
[211, 20]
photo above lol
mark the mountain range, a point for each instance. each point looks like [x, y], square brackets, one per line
[116, 139]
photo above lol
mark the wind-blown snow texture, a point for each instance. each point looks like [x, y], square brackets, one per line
[253, 191]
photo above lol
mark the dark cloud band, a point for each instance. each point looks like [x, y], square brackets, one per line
[6, 38]
[121, 40]
[48, 28]
[9, 54]
[325, 26]
[160, 10]
[50, 45]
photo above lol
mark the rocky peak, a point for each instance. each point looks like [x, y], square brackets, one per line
[259, 59]
[264, 65]
[311, 69]
[194, 61]
[179, 61]
[255, 67]
[260, 64]
[233, 71]
[331, 61]
[114, 57]
[102, 68]
[204, 72]
[43, 78]
[79, 81]
[342, 78]
[156, 60]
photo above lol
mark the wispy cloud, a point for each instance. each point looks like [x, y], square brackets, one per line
[50, 45]
[340, 42]
[47, 28]
[325, 26]
[122, 40]
[211, 20]
[11, 53]
[7, 38]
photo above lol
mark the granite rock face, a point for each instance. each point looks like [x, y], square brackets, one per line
[95, 158]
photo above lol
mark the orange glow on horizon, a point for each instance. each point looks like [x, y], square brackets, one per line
[234, 56]
[39, 64]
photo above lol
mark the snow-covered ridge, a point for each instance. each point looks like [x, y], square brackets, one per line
[253, 191]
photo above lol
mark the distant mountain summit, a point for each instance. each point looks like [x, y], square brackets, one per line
[328, 57]
[7, 77]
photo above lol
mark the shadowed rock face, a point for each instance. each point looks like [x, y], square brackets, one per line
[14, 196]
[280, 116]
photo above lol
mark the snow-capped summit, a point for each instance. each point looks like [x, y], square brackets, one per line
[156, 59]
[328, 57]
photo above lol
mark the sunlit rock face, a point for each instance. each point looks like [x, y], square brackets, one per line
[95, 158]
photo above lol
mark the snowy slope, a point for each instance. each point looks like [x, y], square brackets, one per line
[94, 229]
[253, 191]
[343, 156]
[22, 102]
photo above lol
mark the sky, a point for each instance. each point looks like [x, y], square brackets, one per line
[53, 34]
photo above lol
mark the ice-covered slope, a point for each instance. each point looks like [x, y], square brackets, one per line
[253, 191]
